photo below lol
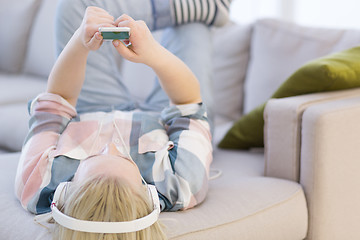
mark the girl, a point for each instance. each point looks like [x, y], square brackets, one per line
[88, 129]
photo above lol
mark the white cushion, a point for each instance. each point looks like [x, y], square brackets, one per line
[15, 92]
[279, 48]
[14, 32]
[2, 151]
[14, 124]
[231, 49]
[20, 88]
[40, 56]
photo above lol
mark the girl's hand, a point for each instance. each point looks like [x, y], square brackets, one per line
[144, 48]
[88, 33]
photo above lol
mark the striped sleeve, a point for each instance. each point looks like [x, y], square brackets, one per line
[50, 114]
[185, 184]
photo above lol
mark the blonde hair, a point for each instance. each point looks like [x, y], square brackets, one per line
[107, 199]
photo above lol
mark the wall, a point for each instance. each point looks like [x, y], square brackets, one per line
[324, 13]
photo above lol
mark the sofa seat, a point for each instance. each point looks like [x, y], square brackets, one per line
[241, 202]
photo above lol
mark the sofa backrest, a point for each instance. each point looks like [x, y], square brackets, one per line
[279, 48]
[40, 56]
[16, 18]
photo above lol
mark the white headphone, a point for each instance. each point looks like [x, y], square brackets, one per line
[103, 227]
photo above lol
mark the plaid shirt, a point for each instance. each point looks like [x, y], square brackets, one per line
[172, 149]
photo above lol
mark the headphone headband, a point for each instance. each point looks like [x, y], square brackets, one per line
[104, 227]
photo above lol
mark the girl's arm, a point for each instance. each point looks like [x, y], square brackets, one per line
[175, 77]
[51, 113]
[67, 76]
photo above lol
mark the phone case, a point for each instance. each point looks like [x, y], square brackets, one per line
[115, 33]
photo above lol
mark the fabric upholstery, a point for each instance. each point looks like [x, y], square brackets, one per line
[40, 56]
[337, 71]
[231, 52]
[13, 48]
[15, 92]
[16, 129]
[283, 119]
[279, 48]
[247, 228]
[19, 88]
[330, 168]
[247, 132]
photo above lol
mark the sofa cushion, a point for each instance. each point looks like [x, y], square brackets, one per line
[335, 72]
[14, 32]
[15, 93]
[14, 124]
[240, 204]
[279, 48]
[338, 71]
[231, 50]
[20, 88]
[40, 55]
[247, 132]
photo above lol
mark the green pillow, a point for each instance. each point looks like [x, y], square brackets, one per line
[338, 71]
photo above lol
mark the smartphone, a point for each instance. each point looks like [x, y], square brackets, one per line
[112, 33]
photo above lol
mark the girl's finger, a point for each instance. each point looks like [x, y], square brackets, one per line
[95, 41]
[122, 18]
[98, 36]
[126, 23]
[95, 11]
[104, 21]
[104, 25]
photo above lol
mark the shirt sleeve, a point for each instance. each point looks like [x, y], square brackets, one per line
[185, 183]
[49, 115]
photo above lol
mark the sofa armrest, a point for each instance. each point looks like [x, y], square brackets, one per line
[282, 131]
[330, 167]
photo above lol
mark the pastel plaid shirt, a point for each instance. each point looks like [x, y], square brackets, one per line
[172, 149]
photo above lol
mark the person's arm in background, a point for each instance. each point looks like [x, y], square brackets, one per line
[68, 74]
[177, 80]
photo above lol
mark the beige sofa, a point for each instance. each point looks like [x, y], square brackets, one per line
[303, 185]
